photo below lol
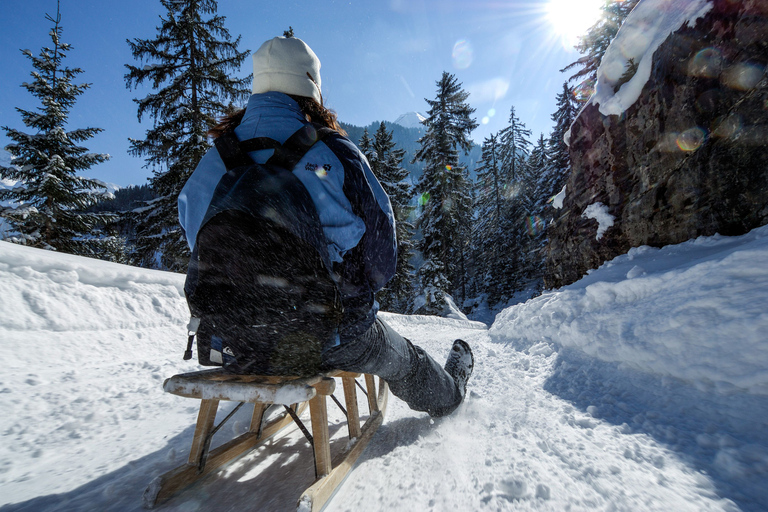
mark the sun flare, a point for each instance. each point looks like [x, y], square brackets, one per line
[571, 18]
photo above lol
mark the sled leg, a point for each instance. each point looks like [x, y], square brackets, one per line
[318, 412]
[353, 415]
[315, 498]
[373, 405]
[257, 417]
[205, 419]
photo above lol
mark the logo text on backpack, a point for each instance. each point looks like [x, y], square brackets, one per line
[321, 172]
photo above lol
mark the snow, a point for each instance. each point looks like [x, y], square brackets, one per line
[645, 29]
[643, 386]
[557, 201]
[599, 212]
[411, 120]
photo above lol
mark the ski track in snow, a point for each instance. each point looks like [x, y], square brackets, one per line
[86, 426]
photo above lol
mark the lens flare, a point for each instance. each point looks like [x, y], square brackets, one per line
[708, 63]
[584, 90]
[535, 225]
[448, 167]
[462, 54]
[742, 77]
[424, 199]
[691, 139]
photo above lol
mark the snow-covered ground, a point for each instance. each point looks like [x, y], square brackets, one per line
[644, 386]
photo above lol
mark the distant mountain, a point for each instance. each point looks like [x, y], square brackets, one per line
[407, 138]
[411, 120]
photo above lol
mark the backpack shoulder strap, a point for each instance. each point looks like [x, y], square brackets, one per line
[234, 153]
[297, 145]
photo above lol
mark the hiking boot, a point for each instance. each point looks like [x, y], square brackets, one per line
[460, 364]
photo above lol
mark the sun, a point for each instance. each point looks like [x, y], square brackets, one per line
[571, 18]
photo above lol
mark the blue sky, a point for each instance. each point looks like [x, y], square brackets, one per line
[379, 59]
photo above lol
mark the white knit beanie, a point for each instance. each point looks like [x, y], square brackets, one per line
[287, 65]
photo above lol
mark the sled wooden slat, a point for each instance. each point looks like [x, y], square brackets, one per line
[212, 386]
[216, 384]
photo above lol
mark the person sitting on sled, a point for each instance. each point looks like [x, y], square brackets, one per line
[357, 223]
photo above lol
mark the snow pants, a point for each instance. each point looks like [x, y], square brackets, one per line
[412, 375]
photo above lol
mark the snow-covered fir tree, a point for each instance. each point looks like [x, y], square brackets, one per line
[365, 144]
[515, 144]
[536, 192]
[47, 206]
[595, 42]
[386, 161]
[559, 156]
[445, 193]
[489, 203]
[187, 64]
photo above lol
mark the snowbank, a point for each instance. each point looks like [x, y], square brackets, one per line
[46, 290]
[697, 311]
[86, 345]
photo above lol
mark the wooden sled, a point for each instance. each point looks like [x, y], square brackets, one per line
[212, 386]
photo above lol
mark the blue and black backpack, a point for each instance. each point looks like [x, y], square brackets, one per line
[260, 280]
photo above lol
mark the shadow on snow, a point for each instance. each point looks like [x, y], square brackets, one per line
[723, 435]
[270, 477]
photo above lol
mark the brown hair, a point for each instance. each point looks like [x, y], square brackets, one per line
[313, 111]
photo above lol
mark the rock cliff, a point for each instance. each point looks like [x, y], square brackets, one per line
[688, 158]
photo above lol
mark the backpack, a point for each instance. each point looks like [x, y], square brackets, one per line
[260, 286]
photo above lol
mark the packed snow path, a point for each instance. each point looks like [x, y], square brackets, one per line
[85, 425]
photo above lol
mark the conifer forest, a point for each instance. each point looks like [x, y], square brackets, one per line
[472, 230]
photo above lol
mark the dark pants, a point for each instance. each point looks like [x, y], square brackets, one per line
[412, 375]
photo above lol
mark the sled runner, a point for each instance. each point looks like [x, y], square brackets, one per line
[293, 393]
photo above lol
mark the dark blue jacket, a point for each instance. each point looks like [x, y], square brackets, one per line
[354, 210]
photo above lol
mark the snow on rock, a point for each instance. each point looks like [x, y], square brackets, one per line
[696, 311]
[557, 201]
[645, 29]
[599, 212]
[411, 120]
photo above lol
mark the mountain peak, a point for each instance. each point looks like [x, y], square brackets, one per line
[411, 120]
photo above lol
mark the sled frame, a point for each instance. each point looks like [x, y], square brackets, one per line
[213, 386]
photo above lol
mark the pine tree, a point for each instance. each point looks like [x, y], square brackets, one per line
[489, 204]
[386, 162]
[515, 145]
[597, 39]
[48, 203]
[506, 267]
[446, 204]
[187, 65]
[366, 146]
[536, 193]
[567, 109]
